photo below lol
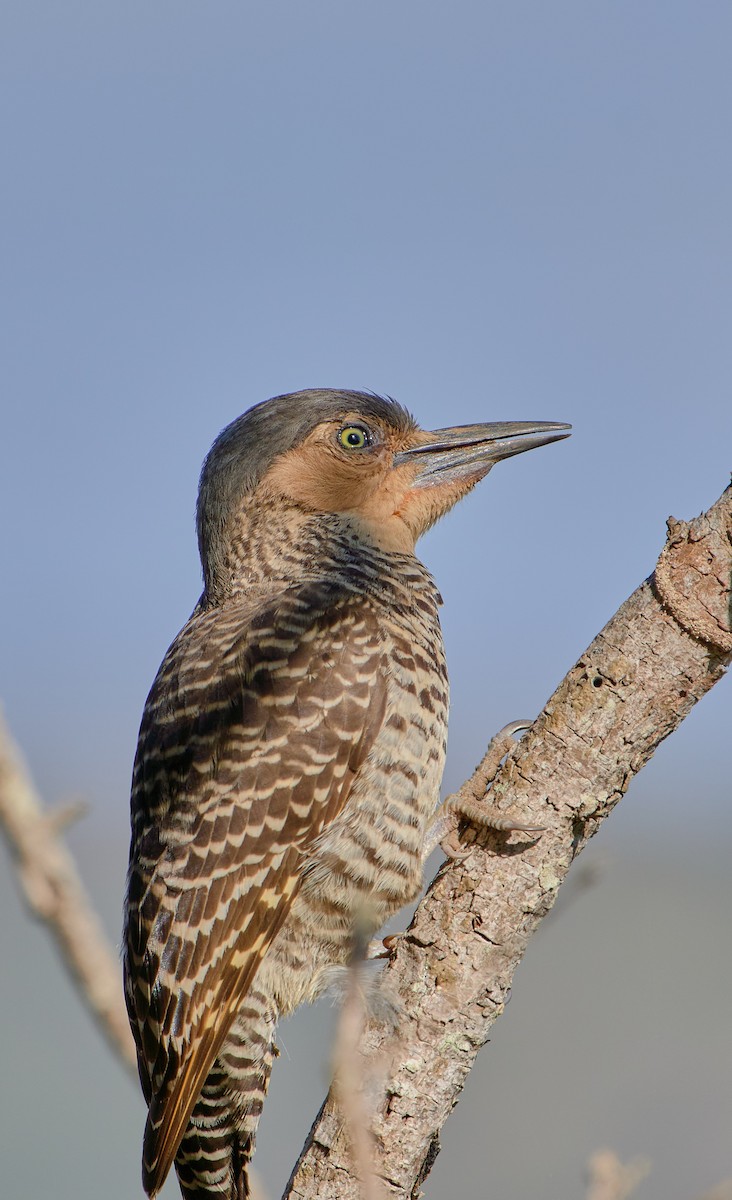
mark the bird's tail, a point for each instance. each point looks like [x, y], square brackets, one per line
[214, 1154]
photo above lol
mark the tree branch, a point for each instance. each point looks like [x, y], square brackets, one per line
[451, 974]
[55, 894]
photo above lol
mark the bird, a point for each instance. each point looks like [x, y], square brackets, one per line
[290, 753]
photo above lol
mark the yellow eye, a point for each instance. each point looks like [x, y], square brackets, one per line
[354, 437]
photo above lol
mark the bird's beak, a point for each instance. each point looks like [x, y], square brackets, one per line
[469, 451]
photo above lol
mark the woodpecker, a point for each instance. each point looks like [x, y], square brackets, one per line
[290, 753]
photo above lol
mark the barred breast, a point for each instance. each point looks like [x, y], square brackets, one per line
[368, 863]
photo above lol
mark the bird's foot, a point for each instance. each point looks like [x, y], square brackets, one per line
[383, 947]
[468, 804]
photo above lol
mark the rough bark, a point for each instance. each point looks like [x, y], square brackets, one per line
[450, 976]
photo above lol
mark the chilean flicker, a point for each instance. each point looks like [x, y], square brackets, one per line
[290, 753]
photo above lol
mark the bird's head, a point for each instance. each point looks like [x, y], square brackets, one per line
[353, 454]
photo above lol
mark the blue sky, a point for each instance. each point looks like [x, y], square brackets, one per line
[489, 211]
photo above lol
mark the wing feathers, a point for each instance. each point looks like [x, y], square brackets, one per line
[171, 1107]
[249, 746]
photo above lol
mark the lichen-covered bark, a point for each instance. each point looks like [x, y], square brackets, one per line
[450, 976]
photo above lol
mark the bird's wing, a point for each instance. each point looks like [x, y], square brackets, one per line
[249, 745]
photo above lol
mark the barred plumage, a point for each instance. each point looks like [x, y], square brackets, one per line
[290, 753]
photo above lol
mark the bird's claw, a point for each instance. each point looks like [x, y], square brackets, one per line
[512, 729]
[383, 947]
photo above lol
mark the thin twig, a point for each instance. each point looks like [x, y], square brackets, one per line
[722, 1191]
[348, 1079]
[609, 1179]
[55, 894]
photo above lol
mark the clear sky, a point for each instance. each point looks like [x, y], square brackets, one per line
[487, 210]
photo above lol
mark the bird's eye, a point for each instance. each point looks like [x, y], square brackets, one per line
[354, 437]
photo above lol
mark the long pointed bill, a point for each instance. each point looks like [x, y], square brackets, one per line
[471, 450]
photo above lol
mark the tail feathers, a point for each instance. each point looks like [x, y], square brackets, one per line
[213, 1157]
[216, 1149]
[214, 1167]
[214, 1153]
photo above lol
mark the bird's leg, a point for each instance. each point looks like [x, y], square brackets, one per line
[468, 804]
